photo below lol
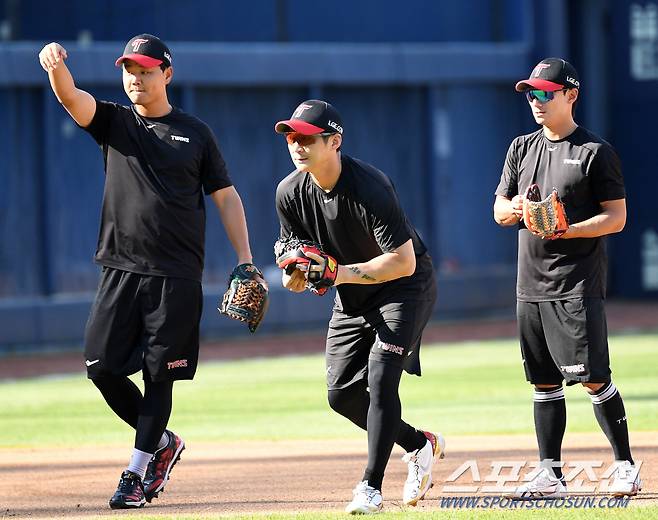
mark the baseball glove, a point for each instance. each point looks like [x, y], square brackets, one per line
[246, 298]
[545, 218]
[320, 269]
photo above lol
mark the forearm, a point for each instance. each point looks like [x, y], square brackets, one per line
[596, 226]
[233, 218]
[383, 268]
[63, 84]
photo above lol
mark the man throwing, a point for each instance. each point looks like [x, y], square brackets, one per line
[159, 162]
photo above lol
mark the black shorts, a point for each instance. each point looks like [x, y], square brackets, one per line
[390, 333]
[148, 323]
[564, 340]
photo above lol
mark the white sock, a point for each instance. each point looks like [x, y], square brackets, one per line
[138, 462]
[164, 440]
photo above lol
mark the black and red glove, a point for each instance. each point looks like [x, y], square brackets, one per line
[320, 269]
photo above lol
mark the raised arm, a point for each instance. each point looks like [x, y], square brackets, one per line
[78, 103]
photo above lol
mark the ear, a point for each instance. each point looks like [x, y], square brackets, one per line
[168, 73]
[572, 95]
[336, 141]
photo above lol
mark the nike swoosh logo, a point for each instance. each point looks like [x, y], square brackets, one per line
[150, 126]
[89, 363]
[327, 200]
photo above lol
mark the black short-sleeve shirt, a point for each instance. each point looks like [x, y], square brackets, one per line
[586, 171]
[156, 173]
[359, 219]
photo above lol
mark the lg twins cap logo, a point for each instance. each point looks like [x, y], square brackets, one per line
[539, 68]
[573, 81]
[168, 56]
[335, 126]
[138, 43]
[300, 110]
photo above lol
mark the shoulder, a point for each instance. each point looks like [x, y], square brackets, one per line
[366, 175]
[593, 142]
[523, 142]
[369, 186]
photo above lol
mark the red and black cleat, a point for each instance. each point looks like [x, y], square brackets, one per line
[129, 493]
[163, 461]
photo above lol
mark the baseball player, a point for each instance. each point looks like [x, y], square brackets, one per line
[159, 162]
[386, 290]
[561, 280]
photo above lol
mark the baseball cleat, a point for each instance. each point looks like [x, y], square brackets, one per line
[367, 500]
[544, 485]
[129, 493]
[163, 461]
[420, 462]
[627, 480]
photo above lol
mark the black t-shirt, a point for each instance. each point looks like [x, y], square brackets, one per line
[156, 172]
[586, 171]
[359, 219]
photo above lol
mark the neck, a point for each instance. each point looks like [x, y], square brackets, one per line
[560, 131]
[157, 109]
[326, 175]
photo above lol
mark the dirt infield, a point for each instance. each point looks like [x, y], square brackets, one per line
[286, 476]
[276, 476]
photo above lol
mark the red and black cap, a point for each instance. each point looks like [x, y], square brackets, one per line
[550, 74]
[312, 117]
[146, 50]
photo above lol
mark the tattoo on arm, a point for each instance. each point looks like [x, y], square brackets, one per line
[363, 275]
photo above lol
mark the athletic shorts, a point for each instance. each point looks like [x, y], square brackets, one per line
[148, 323]
[390, 333]
[564, 340]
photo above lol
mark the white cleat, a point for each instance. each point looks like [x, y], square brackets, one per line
[367, 500]
[544, 485]
[419, 478]
[627, 480]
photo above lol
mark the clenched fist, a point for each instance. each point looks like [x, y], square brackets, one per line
[51, 56]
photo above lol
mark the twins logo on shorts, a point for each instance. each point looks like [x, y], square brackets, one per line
[573, 369]
[388, 347]
[179, 363]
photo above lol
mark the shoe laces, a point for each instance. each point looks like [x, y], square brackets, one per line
[128, 480]
[542, 480]
[625, 471]
[363, 488]
[411, 458]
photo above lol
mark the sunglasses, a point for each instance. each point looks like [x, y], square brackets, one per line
[302, 139]
[543, 96]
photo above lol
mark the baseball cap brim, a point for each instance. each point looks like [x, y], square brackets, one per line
[140, 59]
[536, 83]
[296, 125]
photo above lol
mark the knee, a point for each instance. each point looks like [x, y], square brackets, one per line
[546, 388]
[338, 400]
[592, 388]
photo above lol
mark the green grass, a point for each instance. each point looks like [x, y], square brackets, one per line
[466, 388]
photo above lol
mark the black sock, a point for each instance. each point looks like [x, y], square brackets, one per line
[353, 402]
[153, 415]
[609, 411]
[550, 422]
[122, 395]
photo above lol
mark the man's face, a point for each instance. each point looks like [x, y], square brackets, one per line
[550, 108]
[145, 85]
[309, 152]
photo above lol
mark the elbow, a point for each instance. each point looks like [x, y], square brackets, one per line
[620, 225]
[409, 266]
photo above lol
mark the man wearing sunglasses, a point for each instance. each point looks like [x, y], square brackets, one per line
[385, 294]
[561, 283]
